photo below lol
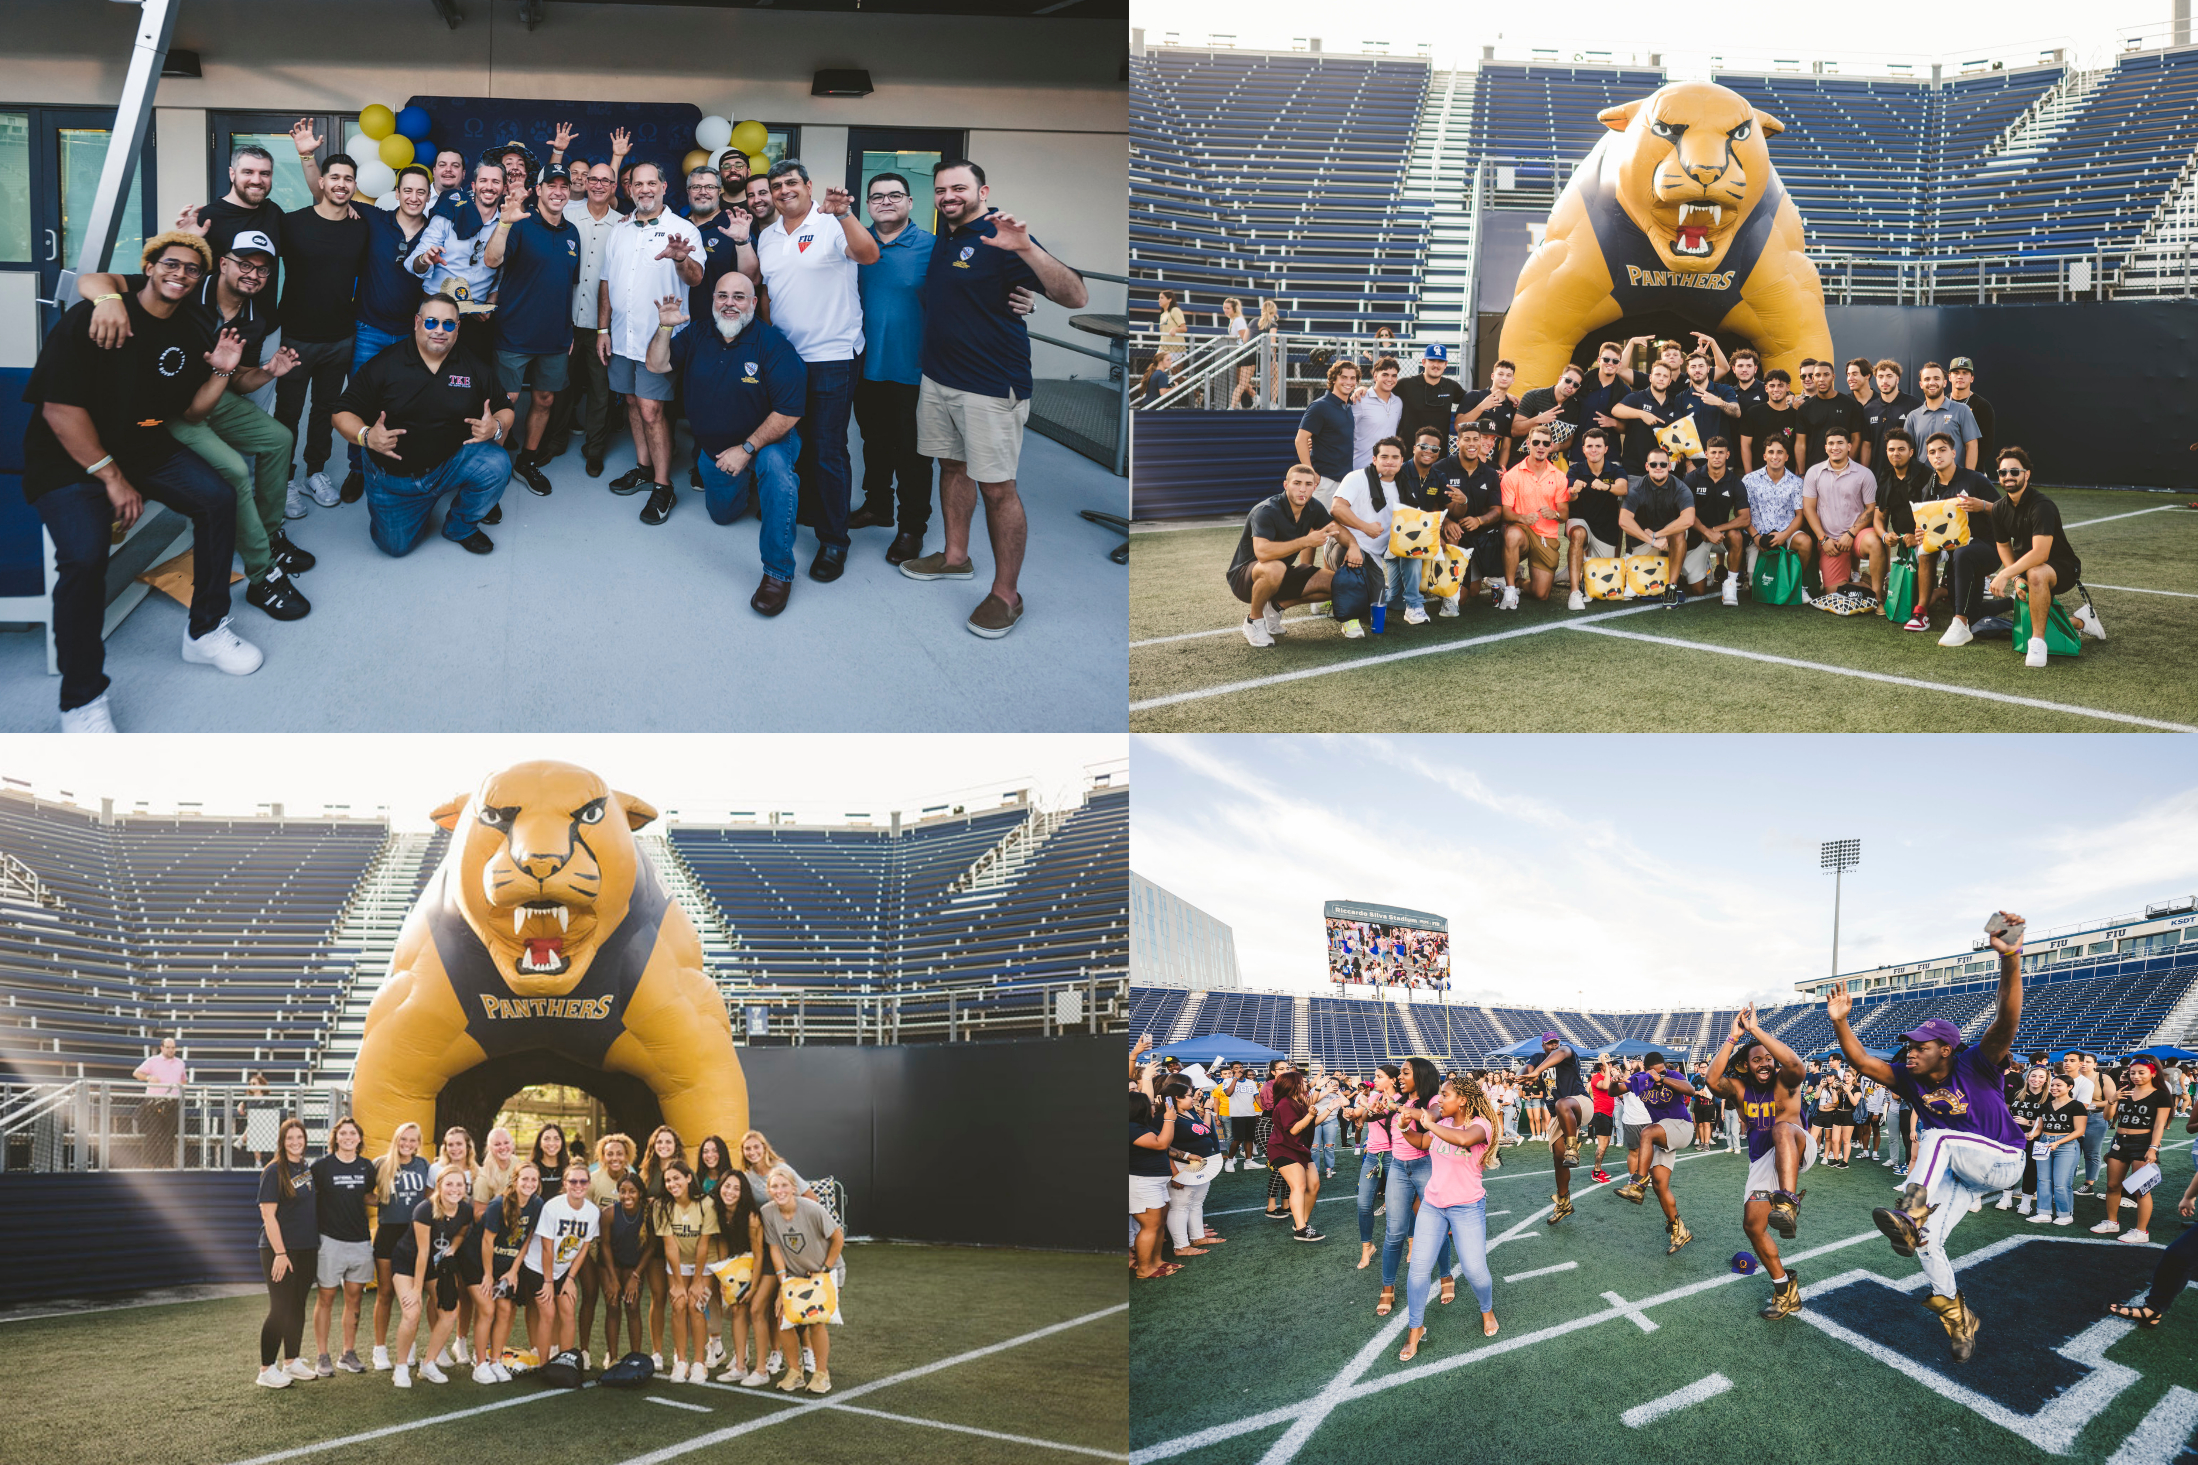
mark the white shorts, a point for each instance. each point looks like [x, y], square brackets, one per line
[343, 1261]
[1596, 549]
[1763, 1169]
[1631, 1111]
[983, 434]
[686, 1270]
[1326, 491]
[1676, 1135]
[1147, 1192]
[1695, 564]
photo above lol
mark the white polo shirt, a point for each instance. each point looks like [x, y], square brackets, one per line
[816, 299]
[595, 239]
[638, 279]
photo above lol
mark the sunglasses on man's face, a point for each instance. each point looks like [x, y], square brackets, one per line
[438, 323]
[2009, 473]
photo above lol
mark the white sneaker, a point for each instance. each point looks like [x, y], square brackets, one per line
[483, 1374]
[808, 1361]
[298, 1368]
[93, 717]
[1271, 618]
[2035, 656]
[294, 505]
[2064, 1219]
[2087, 621]
[324, 490]
[272, 1377]
[381, 1358]
[403, 1379]
[2135, 1238]
[755, 1380]
[778, 1361]
[2106, 1227]
[1449, 609]
[2024, 1208]
[2128, 1204]
[656, 1360]
[432, 1374]
[1323, 607]
[2007, 1201]
[461, 1350]
[1416, 615]
[503, 1374]
[1256, 632]
[1957, 634]
[222, 649]
[1354, 630]
[1732, 590]
[679, 1372]
[1577, 601]
[1511, 597]
[714, 1356]
[2042, 1218]
[442, 1359]
[697, 1374]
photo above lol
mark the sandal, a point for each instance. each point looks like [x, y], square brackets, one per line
[1411, 1345]
[1387, 1302]
[1166, 1269]
[1449, 1290]
[2144, 1317]
[1488, 1325]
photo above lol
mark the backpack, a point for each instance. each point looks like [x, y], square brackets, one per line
[634, 1368]
[562, 1372]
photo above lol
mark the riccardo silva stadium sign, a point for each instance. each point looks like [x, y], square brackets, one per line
[1383, 915]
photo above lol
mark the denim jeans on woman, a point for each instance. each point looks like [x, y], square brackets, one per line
[1464, 1228]
[1325, 1135]
[2094, 1143]
[2057, 1181]
[1373, 1175]
[1408, 1181]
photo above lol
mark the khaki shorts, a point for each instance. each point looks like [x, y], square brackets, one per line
[1675, 1134]
[1695, 565]
[1543, 551]
[983, 434]
[1596, 549]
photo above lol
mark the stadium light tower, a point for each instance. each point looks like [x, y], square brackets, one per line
[1838, 856]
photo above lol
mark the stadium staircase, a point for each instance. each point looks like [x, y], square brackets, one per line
[2034, 131]
[720, 947]
[2180, 1026]
[1412, 1034]
[370, 924]
[1501, 1031]
[1301, 1028]
[2161, 261]
[1186, 1021]
[1004, 863]
[1443, 175]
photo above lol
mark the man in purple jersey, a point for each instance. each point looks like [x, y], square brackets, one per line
[1967, 1144]
[1767, 1087]
[1665, 1094]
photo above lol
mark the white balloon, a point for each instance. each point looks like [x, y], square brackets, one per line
[713, 133]
[360, 147]
[387, 203]
[376, 177]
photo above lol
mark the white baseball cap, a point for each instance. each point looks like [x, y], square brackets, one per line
[252, 241]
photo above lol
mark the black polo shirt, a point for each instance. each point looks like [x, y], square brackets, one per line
[1570, 418]
[1898, 494]
[972, 341]
[1594, 397]
[1421, 490]
[1329, 420]
[1880, 416]
[1434, 406]
[1598, 507]
[1654, 507]
[732, 386]
[1271, 519]
[1750, 396]
[129, 392]
[431, 405]
[2015, 524]
[1821, 414]
[534, 287]
[1716, 501]
[1481, 484]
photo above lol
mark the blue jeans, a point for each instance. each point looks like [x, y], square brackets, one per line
[1325, 1134]
[366, 344]
[827, 475]
[1404, 579]
[398, 509]
[771, 476]
[2094, 1143]
[1466, 1228]
[79, 516]
[1372, 1174]
[2057, 1181]
[1407, 1182]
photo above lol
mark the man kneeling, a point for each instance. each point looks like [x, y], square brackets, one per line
[1277, 563]
[2034, 553]
[413, 408]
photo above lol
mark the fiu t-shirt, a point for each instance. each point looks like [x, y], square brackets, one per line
[568, 1227]
[1480, 483]
[686, 1227]
[972, 341]
[1716, 500]
[804, 1238]
[407, 1184]
[1640, 434]
[534, 292]
[295, 1216]
[499, 1224]
[341, 1188]
[129, 393]
[1968, 1101]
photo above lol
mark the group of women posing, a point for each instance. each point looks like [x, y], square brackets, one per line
[467, 1243]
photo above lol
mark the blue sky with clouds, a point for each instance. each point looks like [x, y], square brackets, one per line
[1636, 871]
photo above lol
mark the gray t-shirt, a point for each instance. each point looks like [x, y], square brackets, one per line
[759, 1187]
[803, 1238]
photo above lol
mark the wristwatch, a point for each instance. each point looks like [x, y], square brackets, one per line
[749, 448]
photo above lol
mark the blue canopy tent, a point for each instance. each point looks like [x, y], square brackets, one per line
[1216, 1048]
[2167, 1051]
[1635, 1048]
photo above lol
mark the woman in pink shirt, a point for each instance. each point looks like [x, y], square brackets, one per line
[1462, 1127]
[1373, 1111]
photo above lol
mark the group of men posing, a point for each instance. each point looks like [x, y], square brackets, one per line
[1531, 486]
[425, 329]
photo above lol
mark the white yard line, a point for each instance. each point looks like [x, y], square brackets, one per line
[989, 1434]
[675, 1403]
[213, 1293]
[2110, 518]
[1538, 1271]
[1917, 683]
[1692, 1394]
[406, 1428]
[2159, 1436]
[2140, 590]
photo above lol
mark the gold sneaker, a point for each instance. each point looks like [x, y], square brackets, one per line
[1635, 1192]
[1680, 1236]
[1785, 1297]
[1961, 1324]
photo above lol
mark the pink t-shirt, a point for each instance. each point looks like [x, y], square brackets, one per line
[1457, 1173]
[163, 1077]
[1377, 1131]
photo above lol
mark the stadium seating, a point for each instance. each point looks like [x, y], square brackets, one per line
[1852, 155]
[1540, 120]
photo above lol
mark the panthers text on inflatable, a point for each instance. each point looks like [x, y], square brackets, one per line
[1678, 208]
[545, 930]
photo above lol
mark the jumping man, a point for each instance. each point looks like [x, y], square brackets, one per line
[1780, 1147]
[1669, 1129]
[1570, 1109]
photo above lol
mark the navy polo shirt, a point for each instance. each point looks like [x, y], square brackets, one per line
[972, 342]
[720, 257]
[1329, 421]
[534, 292]
[731, 386]
[389, 294]
[892, 307]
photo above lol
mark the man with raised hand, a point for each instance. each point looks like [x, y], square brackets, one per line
[1766, 1090]
[896, 475]
[1969, 1145]
[451, 257]
[425, 411]
[538, 259]
[587, 395]
[323, 245]
[1570, 1108]
[650, 256]
[1664, 1092]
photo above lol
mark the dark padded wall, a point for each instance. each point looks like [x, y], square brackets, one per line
[978, 1143]
[1184, 463]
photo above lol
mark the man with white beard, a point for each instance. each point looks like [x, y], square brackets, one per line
[746, 386]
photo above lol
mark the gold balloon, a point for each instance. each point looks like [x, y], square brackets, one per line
[699, 158]
[750, 137]
[758, 165]
[396, 150]
[378, 122]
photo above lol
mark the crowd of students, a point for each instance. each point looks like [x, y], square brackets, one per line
[1958, 1122]
[1362, 953]
[462, 1246]
[1705, 463]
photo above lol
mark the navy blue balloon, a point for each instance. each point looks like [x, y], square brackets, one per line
[413, 123]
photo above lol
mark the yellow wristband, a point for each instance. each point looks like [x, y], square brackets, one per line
[362, 437]
[103, 299]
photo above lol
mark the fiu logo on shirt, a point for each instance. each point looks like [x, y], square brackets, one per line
[1722, 280]
[963, 262]
[801, 245]
[572, 247]
[1946, 1102]
[750, 368]
[580, 1009]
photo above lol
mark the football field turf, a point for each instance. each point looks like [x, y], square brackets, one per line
[1704, 666]
[948, 1355]
[1267, 1349]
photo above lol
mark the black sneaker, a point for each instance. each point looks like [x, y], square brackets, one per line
[530, 473]
[659, 507]
[694, 476]
[633, 480]
[354, 488]
[1308, 1233]
[595, 467]
[277, 596]
[477, 543]
[494, 516]
[293, 560]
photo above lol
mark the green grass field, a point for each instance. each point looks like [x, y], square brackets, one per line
[173, 1384]
[1267, 1349]
[1645, 669]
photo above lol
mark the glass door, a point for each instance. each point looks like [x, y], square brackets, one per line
[67, 150]
[911, 152]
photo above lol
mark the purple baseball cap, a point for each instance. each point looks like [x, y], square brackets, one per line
[1551, 1038]
[1937, 1030]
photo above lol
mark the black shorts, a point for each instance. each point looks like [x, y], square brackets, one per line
[386, 1237]
[2131, 1147]
[1294, 580]
[529, 1283]
[1844, 1118]
[1243, 1130]
[1601, 1127]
